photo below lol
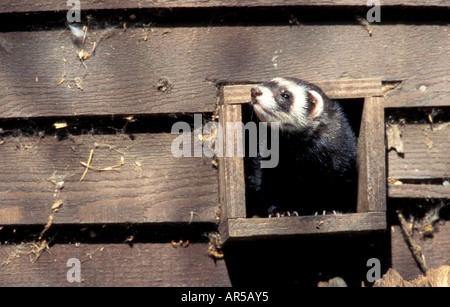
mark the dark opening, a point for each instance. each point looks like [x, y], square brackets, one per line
[352, 109]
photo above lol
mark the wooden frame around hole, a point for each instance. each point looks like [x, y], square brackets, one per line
[371, 203]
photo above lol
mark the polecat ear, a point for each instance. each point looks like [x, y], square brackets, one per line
[315, 103]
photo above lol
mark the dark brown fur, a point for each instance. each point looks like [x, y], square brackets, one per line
[317, 164]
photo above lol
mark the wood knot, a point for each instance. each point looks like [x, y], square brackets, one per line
[164, 85]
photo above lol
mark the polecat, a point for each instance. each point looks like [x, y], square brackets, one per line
[317, 152]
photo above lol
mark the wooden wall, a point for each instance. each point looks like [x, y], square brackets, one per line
[160, 61]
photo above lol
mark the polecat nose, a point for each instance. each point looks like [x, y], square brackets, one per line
[256, 92]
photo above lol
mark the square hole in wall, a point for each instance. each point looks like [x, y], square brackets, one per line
[363, 104]
[352, 109]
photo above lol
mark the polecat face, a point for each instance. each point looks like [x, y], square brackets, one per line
[293, 103]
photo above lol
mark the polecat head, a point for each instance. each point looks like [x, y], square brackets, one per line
[293, 103]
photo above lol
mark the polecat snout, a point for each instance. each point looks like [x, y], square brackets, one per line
[317, 152]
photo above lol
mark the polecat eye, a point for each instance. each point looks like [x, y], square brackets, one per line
[285, 96]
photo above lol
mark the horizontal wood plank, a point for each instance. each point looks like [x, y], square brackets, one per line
[339, 89]
[152, 264]
[420, 90]
[55, 5]
[126, 72]
[152, 187]
[119, 79]
[419, 191]
[252, 228]
[426, 153]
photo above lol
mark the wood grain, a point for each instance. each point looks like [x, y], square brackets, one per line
[154, 265]
[55, 5]
[119, 79]
[426, 153]
[335, 89]
[233, 166]
[152, 186]
[38, 73]
[371, 158]
[254, 228]
[419, 191]
[122, 77]
[436, 251]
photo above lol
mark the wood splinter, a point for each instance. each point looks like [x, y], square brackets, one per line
[109, 168]
[414, 247]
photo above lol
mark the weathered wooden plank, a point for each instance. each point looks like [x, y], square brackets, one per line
[123, 76]
[155, 264]
[119, 79]
[233, 180]
[371, 157]
[55, 5]
[152, 187]
[416, 90]
[252, 228]
[339, 89]
[419, 191]
[426, 153]
[436, 251]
